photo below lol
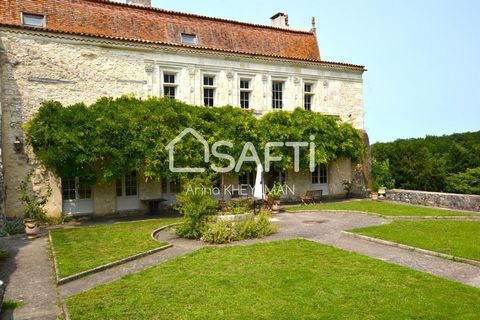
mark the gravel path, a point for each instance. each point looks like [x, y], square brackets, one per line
[326, 228]
[29, 276]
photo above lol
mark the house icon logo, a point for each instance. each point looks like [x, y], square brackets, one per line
[171, 151]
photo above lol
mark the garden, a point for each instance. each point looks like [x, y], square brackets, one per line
[292, 278]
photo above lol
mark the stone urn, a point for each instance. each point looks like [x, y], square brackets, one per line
[32, 228]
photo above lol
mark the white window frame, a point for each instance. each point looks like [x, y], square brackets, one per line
[282, 100]
[123, 186]
[44, 19]
[77, 206]
[210, 87]
[321, 171]
[248, 90]
[164, 84]
[310, 94]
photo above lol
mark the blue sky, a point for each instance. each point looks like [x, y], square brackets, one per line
[423, 57]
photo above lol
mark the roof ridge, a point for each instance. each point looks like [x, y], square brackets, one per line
[294, 30]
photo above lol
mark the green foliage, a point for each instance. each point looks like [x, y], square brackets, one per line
[239, 206]
[196, 206]
[13, 226]
[425, 164]
[33, 202]
[466, 182]
[224, 231]
[220, 231]
[103, 141]
[382, 177]
[276, 192]
[332, 140]
[11, 305]
[257, 227]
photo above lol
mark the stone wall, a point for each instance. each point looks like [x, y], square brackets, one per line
[38, 66]
[436, 199]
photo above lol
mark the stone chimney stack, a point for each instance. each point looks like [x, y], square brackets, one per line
[143, 3]
[280, 20]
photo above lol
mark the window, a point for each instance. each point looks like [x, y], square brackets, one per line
[76, 189]
[308, 96]
[277, 95]
[247, 179]
[190, 39]
[320, 175]
[245, 91]
[33, 20]
[169, 85]
[127, 185]
[209, 91]
[68, 189]
[171, 186]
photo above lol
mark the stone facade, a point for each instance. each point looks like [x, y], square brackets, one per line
[37, 66]
[436, 199]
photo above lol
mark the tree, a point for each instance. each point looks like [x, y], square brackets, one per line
[466, 182]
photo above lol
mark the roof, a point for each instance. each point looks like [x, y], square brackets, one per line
[119, 20]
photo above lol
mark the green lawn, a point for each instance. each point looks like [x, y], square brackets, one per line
[385, 208]
[458, 238]
[81, 249]
[294, 279]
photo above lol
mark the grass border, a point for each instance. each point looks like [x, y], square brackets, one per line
[416, 249]
[61, 281]
[459, 218]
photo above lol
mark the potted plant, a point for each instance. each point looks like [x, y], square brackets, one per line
[274, 195]
[33, 203]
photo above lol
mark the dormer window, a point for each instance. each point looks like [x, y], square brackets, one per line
[33, 20]
[190, 39]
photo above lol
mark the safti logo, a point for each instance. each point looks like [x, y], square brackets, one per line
[248, 148]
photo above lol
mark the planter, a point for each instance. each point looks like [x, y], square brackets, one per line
[382, 192]
[374, 196]
[32, 228]
[276, 207]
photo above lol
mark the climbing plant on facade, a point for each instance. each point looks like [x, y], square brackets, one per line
[111, 137]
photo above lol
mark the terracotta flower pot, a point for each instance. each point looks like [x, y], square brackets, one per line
[32, 228]
[276, 207]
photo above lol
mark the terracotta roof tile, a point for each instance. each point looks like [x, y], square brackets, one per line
[117, 20]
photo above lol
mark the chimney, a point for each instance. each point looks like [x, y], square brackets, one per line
[280, 20]
[143, 3]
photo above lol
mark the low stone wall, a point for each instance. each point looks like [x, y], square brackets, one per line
[436, 199]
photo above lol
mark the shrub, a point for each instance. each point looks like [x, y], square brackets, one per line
[239, 206]
[224, 231]
[13, 226]
[258, 227]
[196, 207]
[220, 231]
